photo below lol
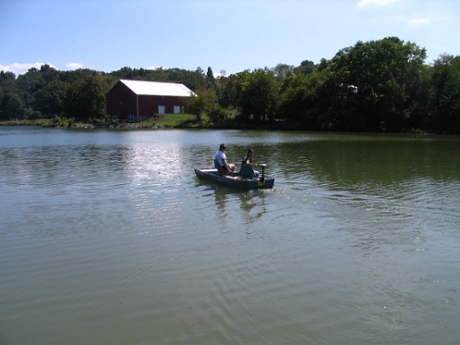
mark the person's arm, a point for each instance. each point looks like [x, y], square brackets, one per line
[248, 162]
[226, 166]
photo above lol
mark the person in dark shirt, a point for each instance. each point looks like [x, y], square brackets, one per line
[247, 160]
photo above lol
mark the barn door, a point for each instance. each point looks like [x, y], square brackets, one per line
[161, 109]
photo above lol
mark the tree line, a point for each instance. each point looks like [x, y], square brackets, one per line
[382, 85]
[80, 94]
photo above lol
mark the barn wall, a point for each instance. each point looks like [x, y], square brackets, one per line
[121, 101]
[148, 105]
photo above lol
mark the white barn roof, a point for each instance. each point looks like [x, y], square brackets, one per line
[155, 88]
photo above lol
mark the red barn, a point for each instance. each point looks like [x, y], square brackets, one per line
[136, 100]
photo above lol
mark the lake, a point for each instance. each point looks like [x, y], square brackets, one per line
[108, 237]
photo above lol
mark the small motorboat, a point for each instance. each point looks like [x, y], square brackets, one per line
[245, 179]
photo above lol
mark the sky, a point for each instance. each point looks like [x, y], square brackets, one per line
[226, 35]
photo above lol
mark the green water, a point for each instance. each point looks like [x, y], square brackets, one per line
[108, 238]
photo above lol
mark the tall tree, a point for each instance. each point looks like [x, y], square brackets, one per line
[259, 96]
[211, 83]
[11, 107]
[444, 107]
[49, 100]
[85, 100]
[298, 103]
[7, 83]
[254, 94]
[280, 71]
[210, 79]
[386, 74]
[306, 67]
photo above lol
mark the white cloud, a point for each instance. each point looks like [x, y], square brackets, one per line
[364, 3]
[74, 65]
[415, 21]
[154, 67]
[21, 68]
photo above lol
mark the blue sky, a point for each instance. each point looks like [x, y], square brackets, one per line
[230, 35]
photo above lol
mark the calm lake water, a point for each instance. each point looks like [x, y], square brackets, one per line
[107, 237]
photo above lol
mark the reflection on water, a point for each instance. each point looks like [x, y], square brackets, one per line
[250, 203]
[108, 237]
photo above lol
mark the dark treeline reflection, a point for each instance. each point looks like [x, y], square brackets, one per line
[369, 160]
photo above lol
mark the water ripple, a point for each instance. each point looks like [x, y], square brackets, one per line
[111, 236]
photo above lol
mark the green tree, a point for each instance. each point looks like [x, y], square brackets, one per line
[231, 91]
[48, 73]
[280, 71]
[217, 114]
[306, 67]
[211, 83]
[253, 94]
[194, 80]
[386, 73]
[202, 103]
[7, 83]
[49, 100]
[7, 80]
[444, 104]
[34, 81]
[11, 107]
[85, 100]
[259, 96]
[298, 101]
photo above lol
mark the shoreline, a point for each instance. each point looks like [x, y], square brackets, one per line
[192, 125]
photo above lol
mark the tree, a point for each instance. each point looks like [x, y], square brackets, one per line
[258, 96]
[85, 100]
[48, 73]
[49, 101]
[298, 101]
[253, 94]
[7, 78]
[217, 114]
[202, 103]
[33, 81]
[231, 91]
[199, 70]
[280, 71]
[306, 67]
[211, 83]
[386, 74]
[7, 83]
[444, 104]
[11, 107]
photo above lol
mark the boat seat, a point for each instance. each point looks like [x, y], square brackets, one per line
[247, 171]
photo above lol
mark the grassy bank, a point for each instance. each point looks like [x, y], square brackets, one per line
[163, 121]
[173, 121]
[40, 122]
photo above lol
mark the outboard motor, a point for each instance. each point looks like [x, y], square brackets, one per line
[262, 178]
